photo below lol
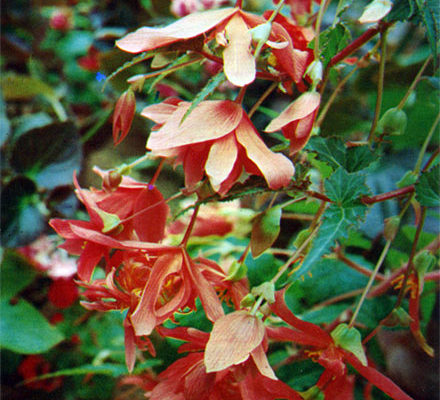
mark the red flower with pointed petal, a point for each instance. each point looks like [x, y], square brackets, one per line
[296, 121]
[216, 138]
[121, 218]
[123, 116]
[332, 357]
[231, 28]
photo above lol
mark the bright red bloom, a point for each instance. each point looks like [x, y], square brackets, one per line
[34, 365]
[132, 216]
[327, 353]
[231, 29]
[123, 116]
[188, 379]
[216, 138]
[63, 292]
[296, 121]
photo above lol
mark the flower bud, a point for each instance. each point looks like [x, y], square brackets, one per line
[375, 11]
[391, 227]
[314, 72]
[236, 271]
[123, 115]
[393, 122]
[247, 301]
[261, 32]
[423, 262]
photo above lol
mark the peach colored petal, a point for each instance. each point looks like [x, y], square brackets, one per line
[303, 106]
[192, 25]
[276, 168]
[233, 337]
[262, 363]
[144, 316]
[209, 120]
[160, 113]
[221, 160]
[239, 63]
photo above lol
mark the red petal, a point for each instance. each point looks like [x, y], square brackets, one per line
[233, 337]
[262, 362]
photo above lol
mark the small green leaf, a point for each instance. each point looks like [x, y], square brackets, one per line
[408, 179]
[428, 188]
[111, 221]
[12, 266]
[24, 330]
[349, 339]
[429, 12]
[265, 230]
[402, 10]
[210, 86]
[345, 188]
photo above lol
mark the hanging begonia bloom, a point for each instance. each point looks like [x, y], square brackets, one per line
[216, 138]
[231, 28]
[296, 121]
[188, 378]
[123, 116]
[132, 216]
[326, 352]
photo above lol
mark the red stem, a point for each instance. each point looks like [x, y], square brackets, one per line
[387, 196]
[190, 226]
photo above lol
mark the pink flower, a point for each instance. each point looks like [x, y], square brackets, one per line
[217, 139]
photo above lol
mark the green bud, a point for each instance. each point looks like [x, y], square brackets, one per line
[236, 271]
[301, 238]
[315, 71]
[349, 339]
[399, 317]
[393, 122]
[391, 227]
[247, 301]
[410, 178]
[423, 262]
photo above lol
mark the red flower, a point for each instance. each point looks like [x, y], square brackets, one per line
[231, 29]
[33, 366]
[63, 292]
[296, 121]
[123, 116]
[188, 378]
[326, 352]
[216, 138]
[132, 216]
[90, 62]
[299, 7]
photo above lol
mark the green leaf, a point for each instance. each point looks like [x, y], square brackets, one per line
[24, 330]
[333, 40]
[428, 189]
[344, 188]
[22, 213]
[335, 154]
[265, 230]
[337, 221]
[48, 154]
[429, 11]
[14, 265]
[343, 6]
[402, 10]
[261, 269]
[135, 60]
[349, 339]
[210, 86]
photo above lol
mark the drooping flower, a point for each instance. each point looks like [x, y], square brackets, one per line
[188, 378]
[131, 216]
[296, 121]
[231, 29]
[216, 138]
[327, 352]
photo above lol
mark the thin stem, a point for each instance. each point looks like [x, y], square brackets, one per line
[370, 282]
[239, 3]
[414, 83]
[380, 83]
[256, 305]
[359, 268]
[425, 145]
[263, 97]
[387, 196]
[140, 160]
[190, 226]
[157, 173]
[240, 95]
[318, 29]
[292, 201]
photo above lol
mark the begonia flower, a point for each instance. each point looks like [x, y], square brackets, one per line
[296, 121]
[326, 352]
[123, 116]
[231, 28]
[216, 138]
[188, 378]
[131, 216]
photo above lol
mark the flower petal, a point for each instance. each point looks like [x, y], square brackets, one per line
[262, 362]
[233, 337]
[303, 106]
[188, 27]
[239, 63]
[276, 168]
[221, 160]
[209, 120]
[160, 113]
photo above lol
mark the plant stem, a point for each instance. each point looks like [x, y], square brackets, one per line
[380, 83]
[263, 97]
[413, 84]
[322, 8]
[387, 196]
[425, 145]
[190, 226]
[359, 268]
[157, 173]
